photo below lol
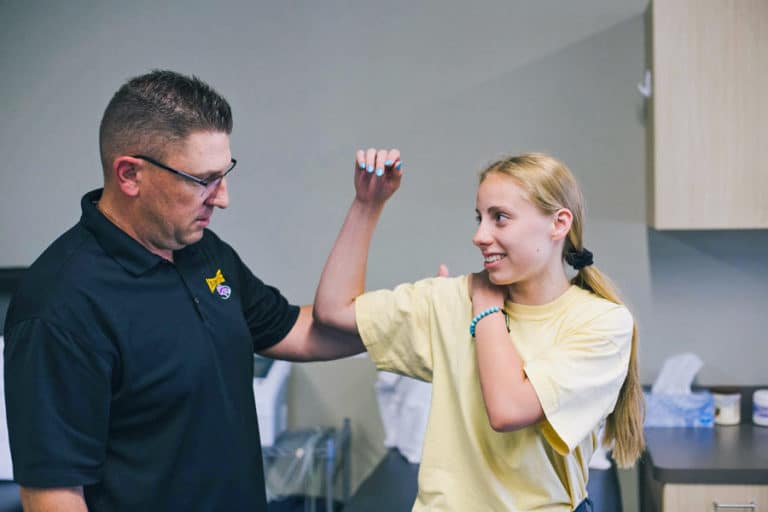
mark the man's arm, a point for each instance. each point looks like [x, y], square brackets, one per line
[309, 340]
[329, 331]
[53, 500]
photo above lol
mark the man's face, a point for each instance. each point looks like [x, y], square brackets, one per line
[174, 210]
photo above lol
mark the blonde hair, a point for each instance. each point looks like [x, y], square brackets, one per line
[550, 185]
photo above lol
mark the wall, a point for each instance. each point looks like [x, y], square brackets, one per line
[453, 85]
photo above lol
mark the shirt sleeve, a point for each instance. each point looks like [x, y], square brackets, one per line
[269, 315]
[578, 380]
[57, 392]
[397, 325]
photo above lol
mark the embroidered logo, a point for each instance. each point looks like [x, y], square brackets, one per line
[215, 281]
[224, 291]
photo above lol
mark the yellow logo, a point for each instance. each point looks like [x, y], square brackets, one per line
[215, 281]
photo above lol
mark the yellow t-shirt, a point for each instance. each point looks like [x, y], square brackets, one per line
[576, 353]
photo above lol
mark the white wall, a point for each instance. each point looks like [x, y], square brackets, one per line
[452, 84]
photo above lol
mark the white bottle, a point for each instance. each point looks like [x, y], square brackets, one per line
[760, 407]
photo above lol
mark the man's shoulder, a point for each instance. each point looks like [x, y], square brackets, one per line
[61, 268]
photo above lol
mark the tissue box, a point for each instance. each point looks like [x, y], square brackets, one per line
[679, 410]
[270, 379]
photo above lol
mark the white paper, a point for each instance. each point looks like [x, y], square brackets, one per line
[677, 374]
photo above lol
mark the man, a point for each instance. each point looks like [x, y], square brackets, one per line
[128, 346]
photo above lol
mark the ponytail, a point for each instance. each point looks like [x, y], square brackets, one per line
[624, 426]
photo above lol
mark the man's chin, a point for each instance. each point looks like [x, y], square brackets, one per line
[192, 237]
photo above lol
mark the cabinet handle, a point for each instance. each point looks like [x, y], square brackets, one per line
[645, 86]
[730, 506]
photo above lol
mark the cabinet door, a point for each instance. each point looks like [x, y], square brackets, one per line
[701, 498]
[709, 114]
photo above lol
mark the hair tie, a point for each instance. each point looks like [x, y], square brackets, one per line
[579, 259]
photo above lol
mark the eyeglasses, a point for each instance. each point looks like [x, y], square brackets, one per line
[208, 185]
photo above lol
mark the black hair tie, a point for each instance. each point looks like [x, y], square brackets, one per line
[579, 259]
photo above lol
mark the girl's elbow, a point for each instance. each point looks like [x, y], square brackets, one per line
[325, 314]
[503, 424]
[333, 316]
[509, 420]
[321, 314]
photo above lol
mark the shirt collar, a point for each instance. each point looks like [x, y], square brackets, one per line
[130, 254]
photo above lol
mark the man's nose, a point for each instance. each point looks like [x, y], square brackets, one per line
[220, 195]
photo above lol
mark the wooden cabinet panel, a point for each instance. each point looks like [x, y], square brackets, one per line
[709, 114]
[701, 498]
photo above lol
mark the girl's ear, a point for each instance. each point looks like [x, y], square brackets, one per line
[561, 223]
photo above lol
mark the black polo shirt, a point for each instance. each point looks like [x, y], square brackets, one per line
[132, 376]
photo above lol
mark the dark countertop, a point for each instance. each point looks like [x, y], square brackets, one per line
[735, 454]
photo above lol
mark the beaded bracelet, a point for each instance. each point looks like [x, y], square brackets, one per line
[483, 314]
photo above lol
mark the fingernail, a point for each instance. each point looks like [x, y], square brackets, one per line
[388, 163]
[379, 172]
[399, 164]
[369, 168]
[361, 164]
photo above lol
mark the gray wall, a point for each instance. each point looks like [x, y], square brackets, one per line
[452, 84]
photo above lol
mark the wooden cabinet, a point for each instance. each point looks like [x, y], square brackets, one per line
[676, 497]
[708, 114]
[713, 498]
[694, 469]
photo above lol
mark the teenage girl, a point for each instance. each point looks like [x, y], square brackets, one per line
[526, 364]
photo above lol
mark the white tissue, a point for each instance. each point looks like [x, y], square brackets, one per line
[671, 402]
[677, 374]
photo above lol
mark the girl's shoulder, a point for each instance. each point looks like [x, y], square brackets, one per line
[587, 310]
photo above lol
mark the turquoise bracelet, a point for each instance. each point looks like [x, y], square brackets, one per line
[480, 316]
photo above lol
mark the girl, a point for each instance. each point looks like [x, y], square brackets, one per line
[525, 364]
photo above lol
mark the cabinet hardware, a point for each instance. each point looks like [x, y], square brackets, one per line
[733, 506]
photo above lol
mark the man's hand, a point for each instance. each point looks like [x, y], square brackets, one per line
[442, 270]
[377, 175]
[484, 294]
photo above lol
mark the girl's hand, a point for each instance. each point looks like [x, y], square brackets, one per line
[485, 294]
[377, 175]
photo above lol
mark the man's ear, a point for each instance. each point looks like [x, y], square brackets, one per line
[561, 223]
[126, 171]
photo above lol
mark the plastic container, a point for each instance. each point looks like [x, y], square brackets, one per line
[727, 406]
[760, 407]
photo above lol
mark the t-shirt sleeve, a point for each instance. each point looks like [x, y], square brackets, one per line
[57, 392]
[578, 380]
[269, 315]
[396, 327]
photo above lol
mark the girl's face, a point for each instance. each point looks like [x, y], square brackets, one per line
[518, 241]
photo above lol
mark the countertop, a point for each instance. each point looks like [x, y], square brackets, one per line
[735, 454]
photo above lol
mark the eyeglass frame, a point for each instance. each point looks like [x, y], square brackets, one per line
[204, 183]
